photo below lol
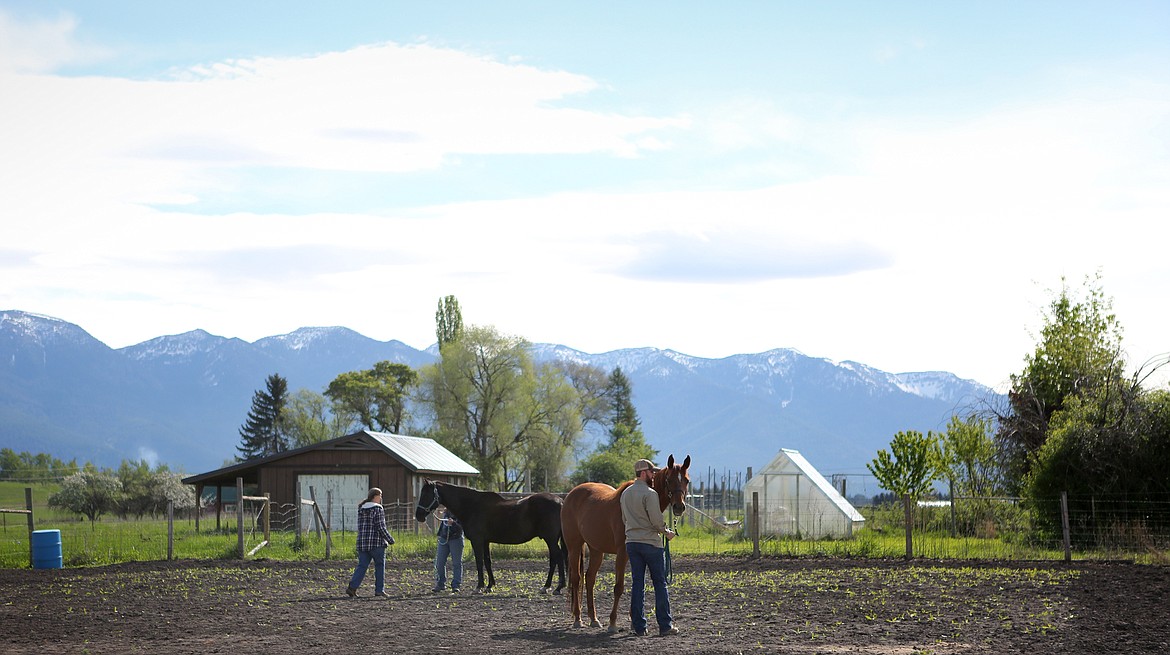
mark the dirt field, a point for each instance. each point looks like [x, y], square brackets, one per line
[720, 605]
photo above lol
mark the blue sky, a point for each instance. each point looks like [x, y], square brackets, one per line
[900, 184]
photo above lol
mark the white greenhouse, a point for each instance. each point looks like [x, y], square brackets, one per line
[795, 499]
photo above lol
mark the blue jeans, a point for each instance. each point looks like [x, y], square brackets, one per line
[378, 557]
[643, 556]
[453, 548]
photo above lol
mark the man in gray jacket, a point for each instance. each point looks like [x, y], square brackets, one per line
[642, 516]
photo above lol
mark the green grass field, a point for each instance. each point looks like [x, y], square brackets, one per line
[111, 540]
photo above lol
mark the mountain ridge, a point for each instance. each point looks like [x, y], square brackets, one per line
[180, 398]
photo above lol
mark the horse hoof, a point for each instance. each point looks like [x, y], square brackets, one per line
[544, 591]
[612, 630]
[576, 624]
[557, 592]
[595, 623]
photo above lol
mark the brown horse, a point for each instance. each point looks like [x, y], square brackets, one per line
[592, 514]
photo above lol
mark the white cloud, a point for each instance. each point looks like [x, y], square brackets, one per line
[906, 243]
[42, 45]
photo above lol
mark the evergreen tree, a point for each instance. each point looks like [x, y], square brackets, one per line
[622, 410]
[263, 432]
[611, 463]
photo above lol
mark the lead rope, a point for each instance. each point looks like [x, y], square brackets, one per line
[666, 545]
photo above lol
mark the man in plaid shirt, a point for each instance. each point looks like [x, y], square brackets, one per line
[372, 540]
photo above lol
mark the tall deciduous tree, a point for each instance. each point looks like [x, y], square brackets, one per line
[376, 397]
[263, 432]
[89, 492]
[147, 490]
[34, 467]
[591, 384]
[969, 457]
[911, 465]
[490, 402]
[1112, 443]
[448, 321]
[309, 421]
[1079, 353]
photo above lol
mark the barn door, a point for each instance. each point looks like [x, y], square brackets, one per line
[348, 492]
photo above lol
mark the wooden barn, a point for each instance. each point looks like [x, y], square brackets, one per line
[342, 469]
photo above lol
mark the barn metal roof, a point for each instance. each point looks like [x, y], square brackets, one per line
[423, 454]
[419, 454]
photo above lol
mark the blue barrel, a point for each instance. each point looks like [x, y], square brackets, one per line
[46, 549]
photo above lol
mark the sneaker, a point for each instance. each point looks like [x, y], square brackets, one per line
[382, 594]
[668, 632]
[436, 590]
[454, 590]
[351, 591]
[639, 633]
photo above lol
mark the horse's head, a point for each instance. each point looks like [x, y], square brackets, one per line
[428, 500]
[674, 484]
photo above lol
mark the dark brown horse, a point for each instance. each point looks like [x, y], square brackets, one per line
[592, 514]
[488, 518]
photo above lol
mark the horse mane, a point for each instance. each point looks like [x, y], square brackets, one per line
[492, 494]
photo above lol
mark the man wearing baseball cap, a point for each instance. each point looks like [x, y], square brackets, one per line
[642, 516]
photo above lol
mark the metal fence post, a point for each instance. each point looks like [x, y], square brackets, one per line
[755, 524]
[31, 528]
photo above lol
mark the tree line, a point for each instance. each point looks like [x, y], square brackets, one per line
[520, 423]
[135, 489]
[1074, 422]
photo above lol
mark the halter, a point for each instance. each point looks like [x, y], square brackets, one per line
[434, 503]
[674, 487]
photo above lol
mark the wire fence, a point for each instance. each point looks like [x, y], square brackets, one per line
[1098, 528]
[997, 528]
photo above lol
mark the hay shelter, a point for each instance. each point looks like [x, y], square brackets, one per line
[796, 500]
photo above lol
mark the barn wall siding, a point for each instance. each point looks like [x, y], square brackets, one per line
[386, 473]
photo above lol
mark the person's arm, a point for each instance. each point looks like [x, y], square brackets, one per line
[654, 512]
[381, 519]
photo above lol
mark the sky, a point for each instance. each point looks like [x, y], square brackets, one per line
[901, 184]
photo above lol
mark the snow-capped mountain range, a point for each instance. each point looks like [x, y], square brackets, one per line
[180, 399]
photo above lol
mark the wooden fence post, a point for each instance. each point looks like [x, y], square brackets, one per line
[240, 516]
[170, 530]
[328, 522]
[317, 520]
[909, 517]
[1064, 526]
